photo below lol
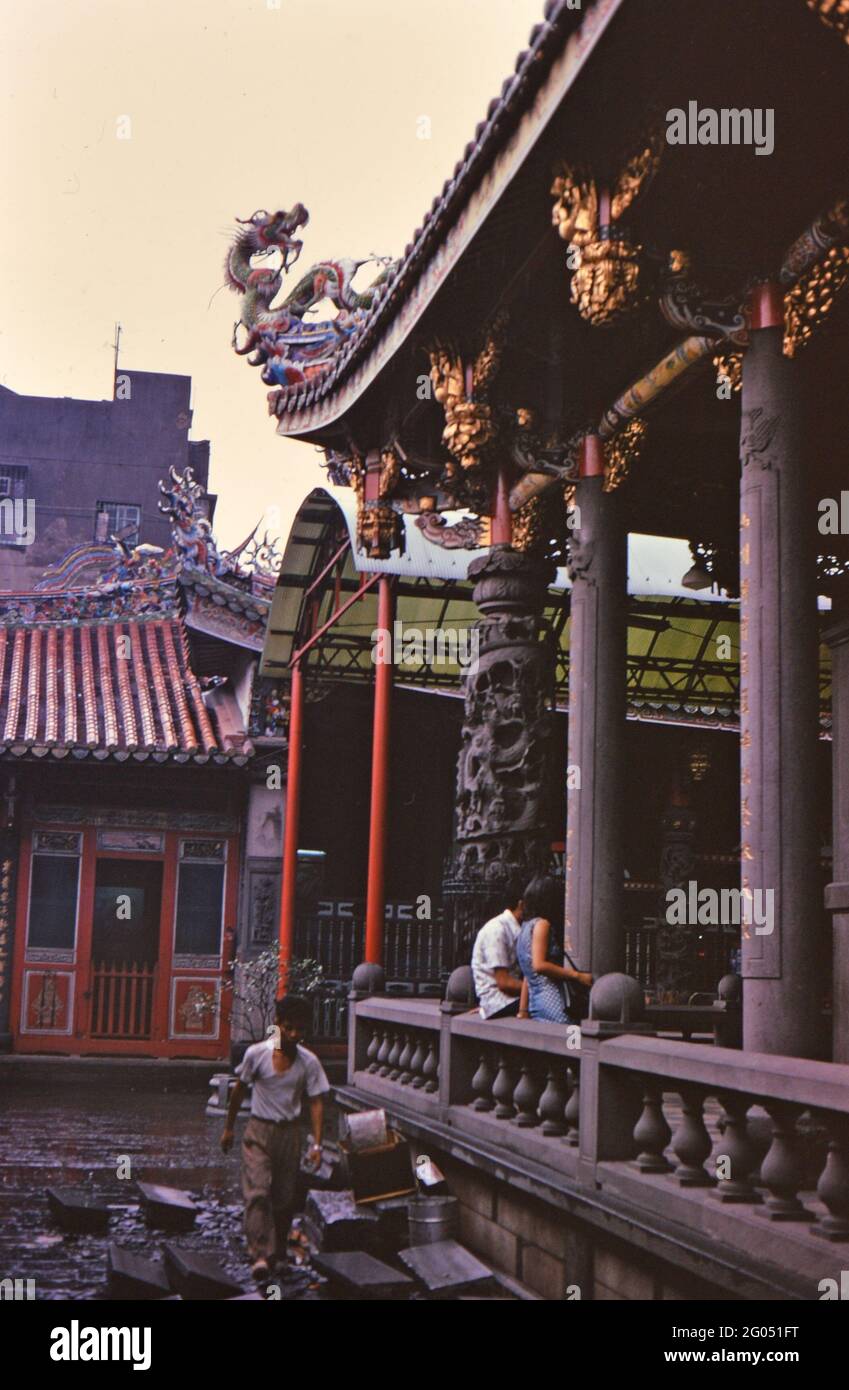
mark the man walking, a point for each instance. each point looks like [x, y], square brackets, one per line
[281, 1071]
[498, 980]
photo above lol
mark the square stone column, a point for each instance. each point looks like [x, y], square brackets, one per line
[779, 697]
[596, 807]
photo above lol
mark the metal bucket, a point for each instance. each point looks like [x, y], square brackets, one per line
[431, 1219]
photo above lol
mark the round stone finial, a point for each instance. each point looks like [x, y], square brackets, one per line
[617, 998]
[368, 979]
[730, 989]
[461, 986]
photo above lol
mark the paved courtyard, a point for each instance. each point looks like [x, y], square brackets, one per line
[69, 1123]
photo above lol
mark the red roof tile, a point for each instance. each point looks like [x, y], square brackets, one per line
[122, 688]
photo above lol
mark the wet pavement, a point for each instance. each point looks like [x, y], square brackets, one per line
[78, 1130]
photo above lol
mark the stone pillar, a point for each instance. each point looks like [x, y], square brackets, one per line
[597, 654]
[837, 893]
[676, 941]
[502, 829]
[783, 987]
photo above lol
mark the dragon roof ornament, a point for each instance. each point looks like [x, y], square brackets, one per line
[184, 502]
[290, 348]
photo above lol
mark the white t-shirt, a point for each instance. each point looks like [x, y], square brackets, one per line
[277, 1095]
[495, 949]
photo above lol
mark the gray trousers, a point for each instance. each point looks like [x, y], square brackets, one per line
[270, 1162]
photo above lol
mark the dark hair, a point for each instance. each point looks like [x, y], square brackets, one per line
[513, 892]
[544, 897]
[294, 1009]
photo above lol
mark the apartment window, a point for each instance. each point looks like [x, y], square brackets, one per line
[13, 480]
[13, 492]
[117, 519]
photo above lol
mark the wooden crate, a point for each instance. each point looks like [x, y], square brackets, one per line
[381, 1172]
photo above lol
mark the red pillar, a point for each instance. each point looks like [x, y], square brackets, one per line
[290, 839]
[376, 893]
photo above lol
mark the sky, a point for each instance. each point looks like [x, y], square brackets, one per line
[137, 130]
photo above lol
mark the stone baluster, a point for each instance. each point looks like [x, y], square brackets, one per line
[573, 1105]
[502, 1090]
[782, 1170]
[372, 1051]
[691, 1141]
[651, 1132]
[736, 1146]
[526, 1096]
[383, 1054]
[833, 1186]
[394, 1055]
[482, 1084]
[552, 1102]
[430, 1071]
[406, 1075]
[417, 1063]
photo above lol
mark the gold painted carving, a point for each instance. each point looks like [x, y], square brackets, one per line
[834, 13]
[621, 451]
[608, 278]
[730, 366]
[808, 304]
[469, 431]
[379, 526]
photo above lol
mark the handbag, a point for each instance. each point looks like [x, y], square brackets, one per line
[579, 995]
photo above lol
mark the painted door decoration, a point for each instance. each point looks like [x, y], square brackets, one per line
[49, 994]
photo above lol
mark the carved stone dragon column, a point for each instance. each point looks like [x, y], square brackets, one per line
[502, 829]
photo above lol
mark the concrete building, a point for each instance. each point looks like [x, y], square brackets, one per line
[84, 470]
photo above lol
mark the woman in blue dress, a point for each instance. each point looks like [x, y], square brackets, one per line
[545, 992]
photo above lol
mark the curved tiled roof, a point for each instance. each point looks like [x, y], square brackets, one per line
[105, 689]
[533, 67]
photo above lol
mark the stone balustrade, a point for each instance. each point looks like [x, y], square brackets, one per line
[796, 1172]
[747, 1153]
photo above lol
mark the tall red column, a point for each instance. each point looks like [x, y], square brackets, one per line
[376, 892]
[288, 888]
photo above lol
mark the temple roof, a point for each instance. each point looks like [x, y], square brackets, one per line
[108, 689]
[520, 97]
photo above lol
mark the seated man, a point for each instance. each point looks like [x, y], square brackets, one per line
[498, 980]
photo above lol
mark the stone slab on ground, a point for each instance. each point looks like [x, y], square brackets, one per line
[196, 1276]
[360, 1275]
[333, 1221]
[168, 1208]
[446, 1267]
[133, 1276]
[75, 1210]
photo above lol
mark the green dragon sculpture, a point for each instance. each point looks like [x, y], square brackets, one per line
[288, 348]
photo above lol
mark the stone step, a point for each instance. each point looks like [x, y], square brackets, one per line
[78, 1211]
[356, 1274]
[196, 1276]
[168, 1208]
[447, 1268]
[133, 1276]
[333, 1221]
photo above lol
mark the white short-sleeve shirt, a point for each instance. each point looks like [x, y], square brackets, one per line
[278, 1095]
[495, 949]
